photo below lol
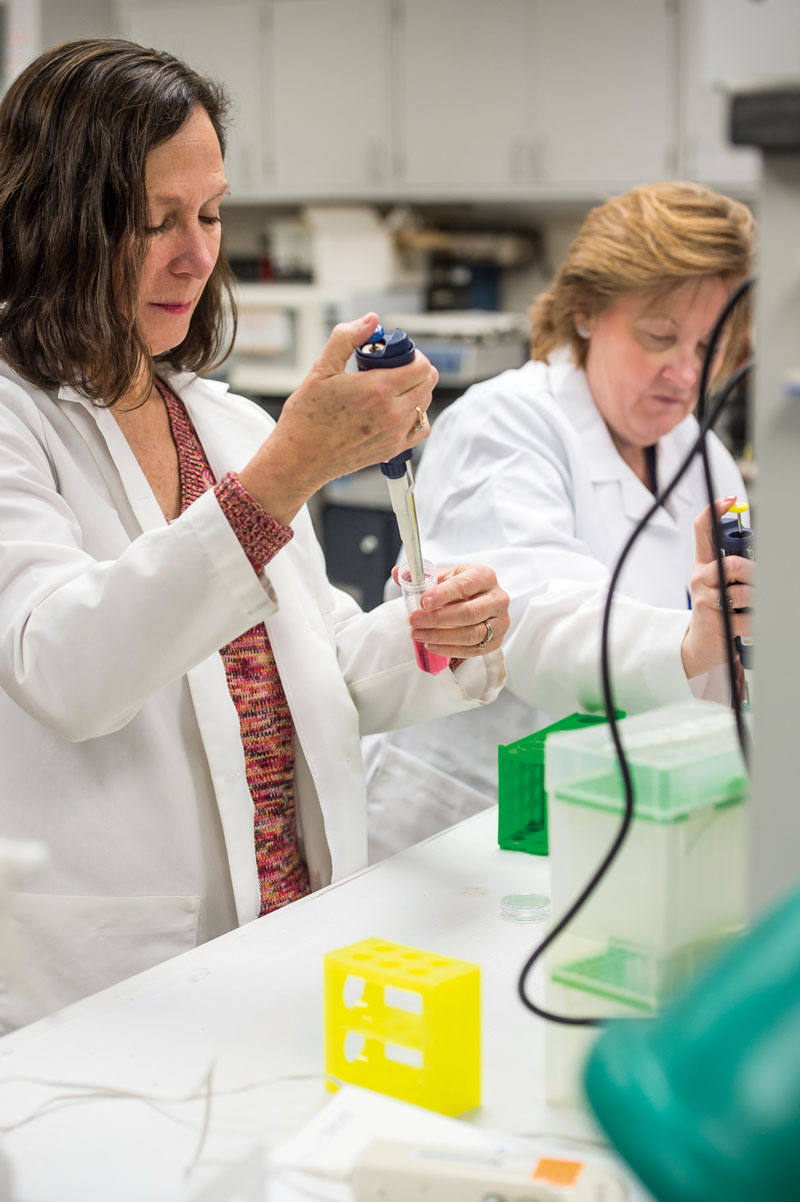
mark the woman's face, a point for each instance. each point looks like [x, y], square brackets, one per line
[185, 184]
[645, 357]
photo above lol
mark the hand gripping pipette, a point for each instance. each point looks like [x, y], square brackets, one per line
[396, 350]
[736, 539]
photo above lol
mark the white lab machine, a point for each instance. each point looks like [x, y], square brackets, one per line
[677, 891]
[282, 328]
[466, 345]
[393, 1171]
[764, 83]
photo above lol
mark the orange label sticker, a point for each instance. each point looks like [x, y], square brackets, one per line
[558, 1172]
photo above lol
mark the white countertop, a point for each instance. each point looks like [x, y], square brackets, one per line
[248, 1009]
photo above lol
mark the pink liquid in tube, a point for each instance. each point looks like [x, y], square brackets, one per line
[427, 661]
[430, 661]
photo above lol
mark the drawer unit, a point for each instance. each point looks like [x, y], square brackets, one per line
[361, 545]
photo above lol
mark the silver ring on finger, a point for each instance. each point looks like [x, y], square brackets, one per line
[729, 605]
[487, 638]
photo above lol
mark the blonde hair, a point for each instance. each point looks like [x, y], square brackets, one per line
[650, 241]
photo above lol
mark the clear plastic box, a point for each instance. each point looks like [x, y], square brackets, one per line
[677, 889]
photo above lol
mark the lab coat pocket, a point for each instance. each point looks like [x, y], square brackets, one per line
[65, 947]
[409, 800]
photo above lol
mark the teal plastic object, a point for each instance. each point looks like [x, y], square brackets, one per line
[704, 1102]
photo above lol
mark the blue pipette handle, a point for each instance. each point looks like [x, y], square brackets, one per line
[392, 350]
[738, 542]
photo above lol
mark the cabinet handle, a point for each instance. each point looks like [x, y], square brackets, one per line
[518, 161]
[375, 161]
[537, 159]
[672, 159]
[369, 544]
[245, 167]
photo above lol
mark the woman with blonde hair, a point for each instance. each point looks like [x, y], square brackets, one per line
[544, 471]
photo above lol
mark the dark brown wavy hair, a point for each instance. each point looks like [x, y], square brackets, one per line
[76, 127]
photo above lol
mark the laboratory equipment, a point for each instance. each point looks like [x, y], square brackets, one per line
[736, 539]
[767, 115]
[359, 534]
[428, 661]
[386, 351]
[281, 328]
[716, 1081]
[704, 1102]
[525, 907]
[678, 889]
[521, 795]
[392, 1171]
[405, 1022]
[469, 345]
[522, 809]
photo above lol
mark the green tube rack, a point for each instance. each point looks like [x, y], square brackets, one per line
[522, 799]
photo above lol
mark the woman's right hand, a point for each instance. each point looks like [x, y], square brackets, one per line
[337, 422]
[703, 645]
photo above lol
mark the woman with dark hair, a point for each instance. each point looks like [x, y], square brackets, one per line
[182, 690]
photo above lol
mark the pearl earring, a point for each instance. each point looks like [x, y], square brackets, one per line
[583, 331]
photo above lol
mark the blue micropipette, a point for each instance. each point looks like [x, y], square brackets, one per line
[736, 539]
[384, 351]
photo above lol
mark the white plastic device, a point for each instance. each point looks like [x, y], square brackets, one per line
[390, 1171]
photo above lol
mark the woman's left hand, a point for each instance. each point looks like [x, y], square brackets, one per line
[465, 614]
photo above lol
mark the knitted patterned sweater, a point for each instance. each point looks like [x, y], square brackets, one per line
[255, 686]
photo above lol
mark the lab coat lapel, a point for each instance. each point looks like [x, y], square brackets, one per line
[604, 462]
[230, 440]
[671, 453]
[227, 440]
[231, 433]
[128, 483]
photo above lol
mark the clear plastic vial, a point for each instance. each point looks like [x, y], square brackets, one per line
[428, 661]
[525, 907]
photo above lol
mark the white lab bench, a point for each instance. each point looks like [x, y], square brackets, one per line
[248, 1010]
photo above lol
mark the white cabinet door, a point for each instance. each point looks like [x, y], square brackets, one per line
[603, 103]
[225, 42]
[327, 97]
[706, 152]
[463, 79]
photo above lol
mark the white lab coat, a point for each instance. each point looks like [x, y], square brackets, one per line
[120, 742]
[521, 473]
